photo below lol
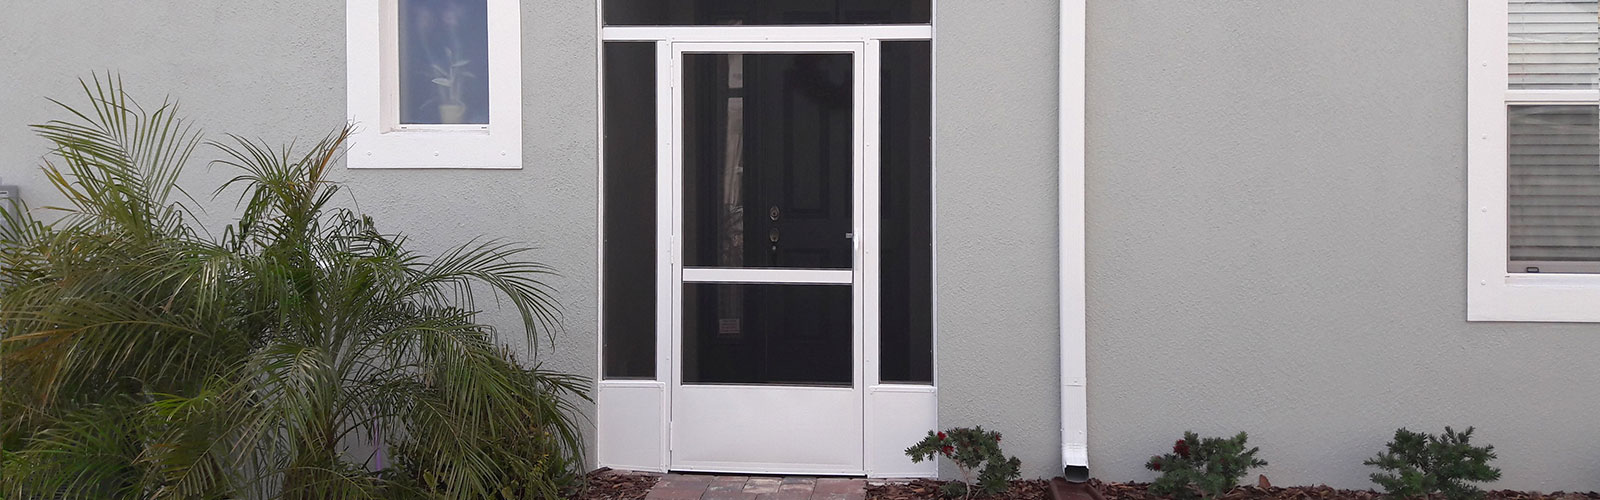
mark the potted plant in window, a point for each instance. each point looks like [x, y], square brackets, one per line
[440, 30]
[450, 78]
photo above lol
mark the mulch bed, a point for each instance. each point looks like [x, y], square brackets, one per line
[1140, 491]
[1036, 489]
[604, 484]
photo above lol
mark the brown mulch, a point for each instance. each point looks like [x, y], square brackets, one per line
[1140, 491]
[606, 484]
[1036, 489]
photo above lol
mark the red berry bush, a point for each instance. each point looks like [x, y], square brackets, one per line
[1203, 468]
[969, 449]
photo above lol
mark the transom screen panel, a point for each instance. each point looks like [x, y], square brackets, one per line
[774, 12]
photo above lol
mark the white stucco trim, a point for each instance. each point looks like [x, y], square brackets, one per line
[1074, 347]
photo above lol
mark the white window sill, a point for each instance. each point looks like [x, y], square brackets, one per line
[1564, 298]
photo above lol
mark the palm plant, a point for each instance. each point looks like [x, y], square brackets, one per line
[145, 359]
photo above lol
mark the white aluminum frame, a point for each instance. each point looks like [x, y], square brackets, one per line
[372, 96]
[807, 33]
[693, 427]
[894, 414]
[1493, 293]
[771, 276]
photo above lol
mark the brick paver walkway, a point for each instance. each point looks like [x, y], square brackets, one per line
[710, 487]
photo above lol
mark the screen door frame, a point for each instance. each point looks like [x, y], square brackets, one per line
[773, 428]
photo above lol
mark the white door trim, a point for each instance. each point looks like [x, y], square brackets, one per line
[831, 445]
[633, 416]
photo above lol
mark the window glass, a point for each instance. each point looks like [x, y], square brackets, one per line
[1553, 184]
[905, 297]
[444, 62]
[630, 211]
[1554, 44]
[1553, 147]
[711, 12]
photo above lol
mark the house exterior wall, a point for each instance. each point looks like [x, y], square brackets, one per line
[1277, 244]
[1275, 212]
[995, 210]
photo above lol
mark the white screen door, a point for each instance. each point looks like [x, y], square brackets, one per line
[767, 234]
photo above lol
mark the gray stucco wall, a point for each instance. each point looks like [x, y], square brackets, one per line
[1277, 244]
[995, 199]
[1275, 199]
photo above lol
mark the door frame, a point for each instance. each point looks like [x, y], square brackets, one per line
[632, 415]
[861, 277]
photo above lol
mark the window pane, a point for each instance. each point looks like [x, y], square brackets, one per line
[630, 211]
[1555, 44]
[906, 254]
[1553, 176]
[767, 334]
[767, 160]
[444, 62]
[710, 12]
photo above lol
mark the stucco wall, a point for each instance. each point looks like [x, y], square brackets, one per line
[1275, 200]
[995, 190]
[1276, 244]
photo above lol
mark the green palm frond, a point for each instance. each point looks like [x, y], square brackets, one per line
[87, 453]
[269, 363]
[120, 162]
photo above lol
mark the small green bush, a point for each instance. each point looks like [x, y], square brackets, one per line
[1418, 464]
[1205, 468]
[969, 448]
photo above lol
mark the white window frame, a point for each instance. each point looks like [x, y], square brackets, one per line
[379, 141]
[1493, 293]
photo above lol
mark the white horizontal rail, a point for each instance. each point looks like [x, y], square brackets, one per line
[767, 275]
[769, 47]
[1552, 96]
[766, 33]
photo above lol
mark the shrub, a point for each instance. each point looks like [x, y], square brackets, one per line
[1207, 468]
[149, 357]
[969, 448]
[1418, 464]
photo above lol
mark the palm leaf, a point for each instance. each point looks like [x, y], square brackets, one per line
[262, 364]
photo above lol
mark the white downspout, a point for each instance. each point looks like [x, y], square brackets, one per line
[1070, 201]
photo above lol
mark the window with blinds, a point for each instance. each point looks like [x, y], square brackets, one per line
[1553, 136]
[1555, 44]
